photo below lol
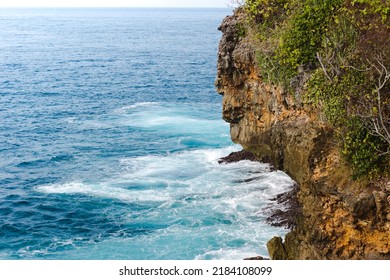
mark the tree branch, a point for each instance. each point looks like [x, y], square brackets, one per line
[323, 66]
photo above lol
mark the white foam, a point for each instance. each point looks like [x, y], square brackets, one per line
[176, 123]
[27, 252]
[198, 198]
[174, 117]
[194, 175]
[229, 254]
[196, 158]
[124, 109]
[104, 190]
[200, 172]
[71, 120]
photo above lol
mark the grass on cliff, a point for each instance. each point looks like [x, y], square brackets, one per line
[343, 46]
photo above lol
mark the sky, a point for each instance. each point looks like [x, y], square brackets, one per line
[115, 3]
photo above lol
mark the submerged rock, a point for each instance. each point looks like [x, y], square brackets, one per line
[238, 156]
[286, 217]
[258, 258]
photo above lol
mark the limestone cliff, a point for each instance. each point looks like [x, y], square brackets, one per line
[341, 218]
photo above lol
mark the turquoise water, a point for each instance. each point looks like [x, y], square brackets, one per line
[110, 132]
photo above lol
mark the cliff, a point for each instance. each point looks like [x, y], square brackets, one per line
[341, 218]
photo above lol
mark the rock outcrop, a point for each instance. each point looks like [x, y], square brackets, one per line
[340, 218]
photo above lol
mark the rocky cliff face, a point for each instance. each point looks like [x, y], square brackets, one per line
[341, 218]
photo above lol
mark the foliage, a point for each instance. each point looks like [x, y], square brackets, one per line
[361, 151]
[265, 12]
[328, 96]
[305, 32]
[366, 8]
[241, 30]
[290, 34]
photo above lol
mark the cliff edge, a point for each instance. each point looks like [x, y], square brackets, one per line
[341, 218]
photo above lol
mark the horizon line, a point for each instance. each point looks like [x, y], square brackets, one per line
[147, 7]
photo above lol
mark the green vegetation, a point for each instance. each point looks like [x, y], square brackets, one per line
[361, 150]
[344, 46]
[241, 30]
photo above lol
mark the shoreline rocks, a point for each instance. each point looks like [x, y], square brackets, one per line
[238, 156]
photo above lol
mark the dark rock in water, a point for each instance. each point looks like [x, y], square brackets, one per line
[288, 216]
[249, 180]
[238, 156]
[258, 258]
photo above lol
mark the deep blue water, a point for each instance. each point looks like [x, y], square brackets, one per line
[110, 131]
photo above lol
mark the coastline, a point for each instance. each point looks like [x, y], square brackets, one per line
[283, 214]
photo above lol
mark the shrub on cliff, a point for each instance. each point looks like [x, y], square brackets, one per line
[344, 47]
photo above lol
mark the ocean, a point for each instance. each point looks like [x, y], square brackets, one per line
[110, 135]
